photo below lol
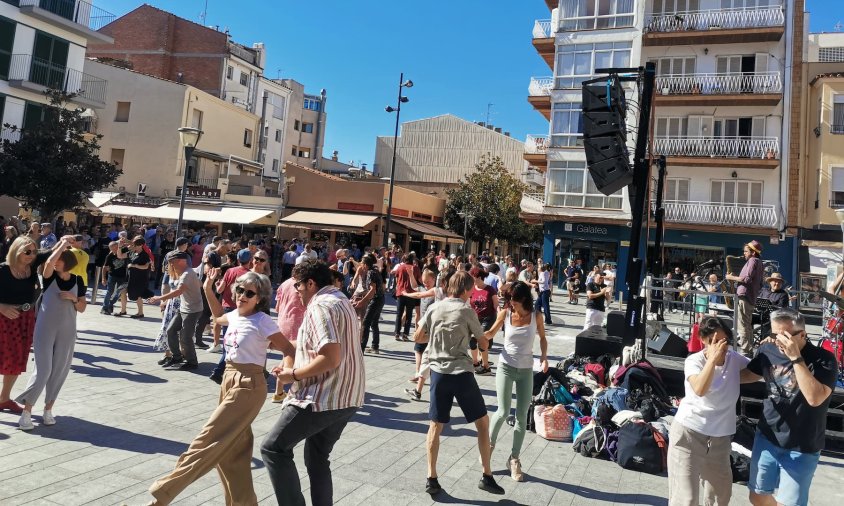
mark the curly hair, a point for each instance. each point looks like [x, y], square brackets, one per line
[317, 271]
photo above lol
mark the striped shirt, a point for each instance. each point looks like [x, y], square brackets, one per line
[330, 318]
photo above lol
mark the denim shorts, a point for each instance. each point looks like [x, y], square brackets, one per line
[446, 387]
[420, 347]
[788, 472]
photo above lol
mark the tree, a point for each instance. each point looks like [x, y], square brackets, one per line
[54, 165]
[491, 198]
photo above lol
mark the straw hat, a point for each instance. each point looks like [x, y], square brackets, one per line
[776, 276]
[755, 246]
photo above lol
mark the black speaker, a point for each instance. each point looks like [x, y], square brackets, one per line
[597, 124]
[606, 97]
[594, 342]
[668, 343]
[605, 135]
[601, 149]
[615, 323]
[611, 175]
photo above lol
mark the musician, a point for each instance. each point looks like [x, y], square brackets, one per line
[775, 292]
[749, 284]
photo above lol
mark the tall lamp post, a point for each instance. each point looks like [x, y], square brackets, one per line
[466, 217]
[401, 100]
[190, 138]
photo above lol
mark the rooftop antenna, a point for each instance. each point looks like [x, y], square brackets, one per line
[488, 109]
[277, 74]
[204, 15]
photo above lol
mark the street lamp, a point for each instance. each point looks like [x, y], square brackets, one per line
[466, 217]
[190, 138]
[401, 100]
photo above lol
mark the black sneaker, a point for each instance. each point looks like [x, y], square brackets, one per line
[413, 394]
[432, 486]
[216, 378]
[483, 371]
[488, 484]
[187, 366]
[163, 360]
[201, 346]
[168, 361]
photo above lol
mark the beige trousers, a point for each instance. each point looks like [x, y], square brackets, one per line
[225, 442]
[696, 460]
[744, 313]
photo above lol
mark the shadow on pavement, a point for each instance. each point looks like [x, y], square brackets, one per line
[599, 495]
[378, 411]
[96, 371]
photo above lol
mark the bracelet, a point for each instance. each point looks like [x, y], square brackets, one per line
[293, 373]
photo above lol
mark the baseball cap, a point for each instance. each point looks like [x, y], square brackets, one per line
[178, 255]
[244, 256]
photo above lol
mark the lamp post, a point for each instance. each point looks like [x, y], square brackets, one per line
[466, 217]
[190, 138]
[397, 110]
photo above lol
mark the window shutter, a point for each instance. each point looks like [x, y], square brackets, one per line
[837, 183]
[683, 190]
[758, 126]
[756, 193]
[761, 62]
[715, 193]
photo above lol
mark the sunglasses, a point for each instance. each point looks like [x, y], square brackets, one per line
[259, 259]
[297, 284]
[28, 252]
[242, 291]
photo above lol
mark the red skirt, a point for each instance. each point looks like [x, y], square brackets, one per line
[15, 342]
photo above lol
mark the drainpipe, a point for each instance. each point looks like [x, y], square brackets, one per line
[261, 145]
[786, 124]
[317, 143]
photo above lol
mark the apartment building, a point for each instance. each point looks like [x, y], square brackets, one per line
[723, 117]
[821, 181]
[434, 154]
[304, 131]
[139, 125]
[42, 44]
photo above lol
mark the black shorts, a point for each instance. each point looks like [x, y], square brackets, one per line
[446, 387]
[420, 347]
[486, 323]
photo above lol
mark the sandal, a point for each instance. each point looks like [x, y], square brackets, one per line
[137, 316]
[122, 313]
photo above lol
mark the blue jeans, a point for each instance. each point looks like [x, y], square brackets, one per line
[543, 303]
[788, 472]
[114, 287]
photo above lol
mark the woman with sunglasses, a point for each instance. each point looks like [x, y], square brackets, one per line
[19, 288]
[260, 263]
[226, 440]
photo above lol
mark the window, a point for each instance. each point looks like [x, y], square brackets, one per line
[675, 66]
[312, 104]
[294, 151]
[33, 114]
[831, 54]
[196, 121]
[278, 135]
[229, 72]
[566, 125]
[247, 138]
[672, 127]
[736, 192]
[49, 59]
[122, 114]
[296, 125]
[275, 164]
[570, 185]
[244, 78]
[595, 14]
[836, 187]
[7, 40]
[672, 6]
[577, 62]
[308, 128]
[300, 152]
[836, 126]
[117, 156]
[677, 189]
[278, 104]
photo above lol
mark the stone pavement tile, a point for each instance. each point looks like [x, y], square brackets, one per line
[13, 486]
[102, 458]
[91, 491]
[359, 495]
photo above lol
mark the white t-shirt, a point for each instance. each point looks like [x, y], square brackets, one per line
[544, 280]
[714, 414]
[247, 337]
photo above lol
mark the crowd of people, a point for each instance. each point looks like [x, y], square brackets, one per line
[328, 306]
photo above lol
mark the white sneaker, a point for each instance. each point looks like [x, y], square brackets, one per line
[25, 422]
[215, 349]
[48, 418]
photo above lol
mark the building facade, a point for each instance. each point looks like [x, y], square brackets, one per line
[42, 44]
[436, 153]
[723, 117]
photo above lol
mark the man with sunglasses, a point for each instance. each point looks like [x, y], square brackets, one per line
[799, 378]
[328, 387]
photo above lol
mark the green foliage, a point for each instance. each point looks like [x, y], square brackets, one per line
[491, 197]
[54, 166]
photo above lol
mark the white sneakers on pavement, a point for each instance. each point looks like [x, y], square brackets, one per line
[25, 422]
[48, 418]
[217, 348]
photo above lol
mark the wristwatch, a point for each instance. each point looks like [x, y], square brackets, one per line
[798, 360]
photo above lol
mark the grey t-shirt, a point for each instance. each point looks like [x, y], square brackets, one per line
[450, 323]
[191, 297]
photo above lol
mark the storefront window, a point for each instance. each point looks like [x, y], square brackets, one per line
[570, 185]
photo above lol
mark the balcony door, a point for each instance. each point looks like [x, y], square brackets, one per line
[736, 192]
[49, 61]
[738, 128]
[662, 7]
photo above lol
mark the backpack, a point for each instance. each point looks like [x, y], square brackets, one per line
[553, 422]
[553, 392]
[740, 467]
[641, 448]
[646, 402]
[641, 375]
[597, 372]
[589, 442]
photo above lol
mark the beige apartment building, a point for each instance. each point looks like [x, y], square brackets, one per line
[139, 125]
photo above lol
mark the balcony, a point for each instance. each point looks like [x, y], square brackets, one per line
[762, 89]
[539, 94]
[836, 129]
[36, 75]
[543, 40]
[738, 152]
[717, 213]
[535, 148]
[77, 16]
[716, 26]
[9, 134]
[533, 177]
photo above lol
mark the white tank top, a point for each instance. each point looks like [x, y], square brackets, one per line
[518, 343]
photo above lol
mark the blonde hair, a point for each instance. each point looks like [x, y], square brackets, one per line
[17, 247]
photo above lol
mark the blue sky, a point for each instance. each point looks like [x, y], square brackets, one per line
[460, 54]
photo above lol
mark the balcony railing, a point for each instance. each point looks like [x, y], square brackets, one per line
[533, 177]
[719, 84]
[836, 129]
[27, 68]
[716, 19]
[717, 213]
[8, 134]
[538, 198]
[836, 204]
[78, 11]
[536, 144]
[719, 147]
[542, 29]
[540, 86]
[203, 182]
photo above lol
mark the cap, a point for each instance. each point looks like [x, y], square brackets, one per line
[182, 240]
[244, 256]
[775, 277]
[178, 255]
[755, 246]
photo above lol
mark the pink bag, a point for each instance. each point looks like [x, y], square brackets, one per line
[553, 422]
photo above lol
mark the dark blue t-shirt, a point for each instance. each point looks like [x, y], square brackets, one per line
[787, 418]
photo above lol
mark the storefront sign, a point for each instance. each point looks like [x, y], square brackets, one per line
[351, 206]
[585, 229]
[197, 192]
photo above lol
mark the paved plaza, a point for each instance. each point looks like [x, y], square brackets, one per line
[123, 421]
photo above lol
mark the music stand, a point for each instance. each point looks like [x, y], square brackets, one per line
[764, 307]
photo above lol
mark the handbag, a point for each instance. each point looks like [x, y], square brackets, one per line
[553, 422]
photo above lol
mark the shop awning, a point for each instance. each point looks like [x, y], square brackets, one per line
[213, 214]
[98, 199]
[328, 222]
[823, 255]
[429, 231]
